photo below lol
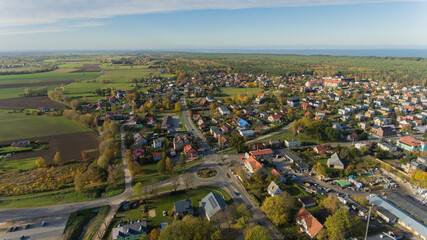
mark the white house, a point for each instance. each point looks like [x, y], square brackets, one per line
[273, 189]
[224, 110]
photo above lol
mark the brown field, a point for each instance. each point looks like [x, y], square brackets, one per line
[70, 146]
[29, 102]
[89, 68]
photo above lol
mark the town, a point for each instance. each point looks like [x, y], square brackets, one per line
[222, 154]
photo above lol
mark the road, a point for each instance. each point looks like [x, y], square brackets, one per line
[231, 184]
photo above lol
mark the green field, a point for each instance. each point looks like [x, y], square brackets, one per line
[17, 165]
[231, 92]
[19, 126]
[46, 77]
[6, 93]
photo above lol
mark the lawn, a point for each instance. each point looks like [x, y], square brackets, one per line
[230, 92]
[46, 77]
[288, 135]
[17, 165]
[19, 126]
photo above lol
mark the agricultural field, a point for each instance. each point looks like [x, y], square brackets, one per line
[30, 102]
[17, 165]
[16, 126]
[46, 77]
[232, 92]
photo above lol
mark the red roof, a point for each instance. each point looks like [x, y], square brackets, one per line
[138, 153]
[313, 225]
[157, 154]
[260, 152]
[410, 141]
[188, 148]
[254, 163]
[276, 173]
[322, 148]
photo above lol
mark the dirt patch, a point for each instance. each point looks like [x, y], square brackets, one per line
[152, 213]
[30, 102]
[70, 146]
[18, 85]
[89, 68]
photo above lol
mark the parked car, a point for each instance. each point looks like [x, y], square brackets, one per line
[43, 224]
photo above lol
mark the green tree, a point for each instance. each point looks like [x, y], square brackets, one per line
[40, 162]
[161, 166]
[169, 166]
[138, 189]
[102, 162]
[79, 182]
[337, 224]
[279, 208]
[178, 107]
[182, 160]
[330, 204]
[257, 233]
[237, 142]
[57, 158]
[189, 228]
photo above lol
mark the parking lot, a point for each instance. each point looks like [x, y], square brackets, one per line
[33, 229]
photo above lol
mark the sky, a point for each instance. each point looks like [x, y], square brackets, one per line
[35, 25]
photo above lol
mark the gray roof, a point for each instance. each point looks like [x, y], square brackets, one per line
[212, 204]
[183, 206]
[135, 228]
[335, 160]
[400, 214]
[273, 187]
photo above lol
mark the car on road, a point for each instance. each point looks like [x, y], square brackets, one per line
[22, 237]
[236, 194]
[27, 226]
[43, 224]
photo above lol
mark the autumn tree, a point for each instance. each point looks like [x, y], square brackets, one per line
[74, 104]
[102, 162]
[57, 158]
[154, 234]
[138, 190]
[79, 182]
[178, 107]
[257, 233]
[40, 162]
[161, 166]
[169, 166]
[330, 204]
[337, 224]
[189, 228]
[279, 208]
[188, 180]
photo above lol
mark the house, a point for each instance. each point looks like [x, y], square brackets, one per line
[157, 156]
[380, 121]
[274, 143]
[293, 158]
[252, 165]
[246, 133]
[410, 144]
[294, 102]
[319, 149]
[412, 167]
[307, 201]
[261, 153]
[223, 110]
[274, 118]
[167, 122]
[180, 141]
[139, 140]
[213, 206]
[364, 125]
[134, 230]
[352, 137]
[387, 147]
[292, 143]
[190, 151]
[140, 153]
[335, 162]
[183, 207]
[308, 223]
[242, 123]
[382, 131]
[276, 173]
[273, 189]
[157, 143]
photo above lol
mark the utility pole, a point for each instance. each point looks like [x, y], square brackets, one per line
[367, 226]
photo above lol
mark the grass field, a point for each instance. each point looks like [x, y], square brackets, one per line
[19, 126]
[17, 165]
[46, 77]
[6, 93]
[231, 92]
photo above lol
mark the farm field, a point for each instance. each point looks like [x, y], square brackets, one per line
[6, 93]
[23, 79]
[61, 143]
[30, 102]
[16, 165]
[15, 126]
[231, 92]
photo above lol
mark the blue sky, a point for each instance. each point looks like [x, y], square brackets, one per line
[233, 24]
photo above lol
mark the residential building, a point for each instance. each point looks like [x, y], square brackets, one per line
[252, 165]
[319, 149]
[261, 153]
[335, 162]
[383, 131]
[167, 122]
[387, 147]
[183, 207]
[308, 223]
[131, 231]
[190, 151]
[223, 110]
[292, 143]
[410, 144]
[307, 201]
[273, 189]
[294, 102]
[157, 143]
[213, 206]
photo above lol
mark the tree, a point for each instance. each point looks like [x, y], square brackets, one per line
[257, 233]
[278, 208]
[337, 224]
[137, 189]
[188, 180]
[189, 228]
[320, 169]
[182, 160]
[102, 162]
[79, 182]
[169, 166]
[40, 162]
[85, 156]
[237, 142]
[57, 158]
[330, 204]
[74, 104]
[178, 107]
[161, 166]
[244, 212]
[154, 234]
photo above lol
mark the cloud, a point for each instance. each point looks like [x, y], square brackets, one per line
[62, 28]
[30, 12]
